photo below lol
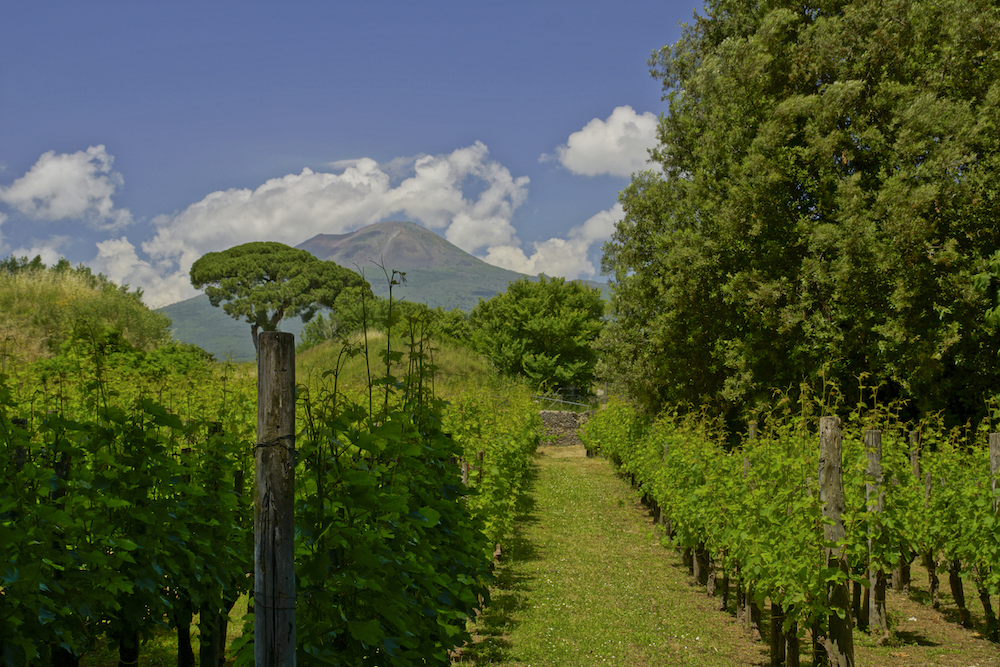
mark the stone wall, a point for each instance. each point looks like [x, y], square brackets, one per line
[562, 424]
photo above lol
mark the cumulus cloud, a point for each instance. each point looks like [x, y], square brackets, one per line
[430, 189]
[50, 250]
[70, 186]
[567, 257]
[617, 146]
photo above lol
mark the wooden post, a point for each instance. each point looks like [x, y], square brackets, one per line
[992, 627]
[668, 525]
[752, 613]
[274, 509]
[901, 577]
[994, 468]
[875, 497]
[930, 558]
[839, 643]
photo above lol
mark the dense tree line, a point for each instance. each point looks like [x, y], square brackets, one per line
[825, 193]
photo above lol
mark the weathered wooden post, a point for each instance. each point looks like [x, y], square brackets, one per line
[994, 468]
[751, 611]
[839, 642]
[901, 576]
[875, 498]
[668, 525]
[930, 557]
[992, 627]
[274, 503]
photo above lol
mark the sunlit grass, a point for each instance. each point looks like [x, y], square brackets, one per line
[587, 583]
[456, 367]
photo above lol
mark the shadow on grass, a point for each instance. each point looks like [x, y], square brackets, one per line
[491, 643]
[914, 638]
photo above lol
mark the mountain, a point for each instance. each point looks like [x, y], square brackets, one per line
[438, 273]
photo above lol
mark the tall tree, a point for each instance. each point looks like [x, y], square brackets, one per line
[541, 330]
[264, 282]
[829, 188]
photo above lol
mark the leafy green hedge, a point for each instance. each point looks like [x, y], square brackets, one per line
[498, 430]
[121, 514]
[755, 509]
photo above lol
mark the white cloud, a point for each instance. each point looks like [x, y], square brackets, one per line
[50, 250]
[293, 208]
[617, 146]
[560, 257]
[70, 186]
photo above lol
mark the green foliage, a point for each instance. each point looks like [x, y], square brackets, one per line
[389, 561]
[497, 429]
[356, 308]
[542, 331]
[988, 283]
[393, 553]
[835, 226]
[43, 307]
[755, 508]
[123, 508]
[106, 526]
[263, 282]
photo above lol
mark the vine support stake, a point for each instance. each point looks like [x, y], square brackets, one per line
[994, 468]
[274, 503]
[875, 498]
[839, 643]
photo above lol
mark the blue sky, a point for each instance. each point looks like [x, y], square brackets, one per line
[138, 136]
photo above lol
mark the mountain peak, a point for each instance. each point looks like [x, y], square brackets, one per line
[395, 244]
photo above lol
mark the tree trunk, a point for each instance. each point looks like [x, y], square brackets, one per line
[933, 582]
[777, 635]
[182, 621]
[128, 649]
[792, 646]
[958, 592]
[212, 648]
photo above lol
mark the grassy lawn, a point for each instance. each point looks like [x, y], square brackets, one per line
[585, 582]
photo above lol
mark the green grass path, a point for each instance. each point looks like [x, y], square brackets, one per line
[585, 582]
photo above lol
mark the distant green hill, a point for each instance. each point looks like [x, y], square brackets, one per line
[438, 273]
[198, 321]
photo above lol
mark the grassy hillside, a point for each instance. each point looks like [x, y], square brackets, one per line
[41, 307]
[458, 367]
